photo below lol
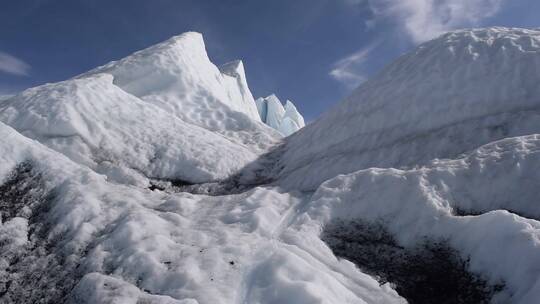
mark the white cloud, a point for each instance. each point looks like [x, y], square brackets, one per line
[426, 19]
[12, 65]
[351, 70]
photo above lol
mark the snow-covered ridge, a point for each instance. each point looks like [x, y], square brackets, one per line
[424, 106]
[165, 112]
[178, 74]
[286, 119]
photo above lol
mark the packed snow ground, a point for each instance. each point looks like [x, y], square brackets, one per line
[108, 243]
[440, 148]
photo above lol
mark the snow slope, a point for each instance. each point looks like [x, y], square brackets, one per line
[432, 202]
[177, 76]
[286, 120]
[451, 95]
[97, 124]
[165, 112]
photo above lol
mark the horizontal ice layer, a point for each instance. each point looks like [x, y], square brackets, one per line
[451, 95]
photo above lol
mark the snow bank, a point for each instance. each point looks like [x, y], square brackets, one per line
[286, 120]
[419, 204]
[451, 95]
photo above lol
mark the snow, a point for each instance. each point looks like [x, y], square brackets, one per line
[123, 119]
[441, 146]
[426, 105]
[129, 244]
[419, 204]
[101, 126]
[286, 120]
[177, 76]
[236, 70]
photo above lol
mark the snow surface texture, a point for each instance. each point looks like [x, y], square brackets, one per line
[123, 119]
[177, 76]
[449, 96]
[106, 243]
[286, 120]
[449, 161]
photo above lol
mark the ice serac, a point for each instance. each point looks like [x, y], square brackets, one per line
[292, 120]
[450, 95]
[262, 108]
[275, 112]
[239, 87]
[286, 119]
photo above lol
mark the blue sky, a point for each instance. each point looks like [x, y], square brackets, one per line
[310, 51]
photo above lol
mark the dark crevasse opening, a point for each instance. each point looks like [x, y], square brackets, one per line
[431, 272]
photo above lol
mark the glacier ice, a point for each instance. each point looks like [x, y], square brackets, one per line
[440, 148]
[450, 95]
[122, 119]
[286, 119]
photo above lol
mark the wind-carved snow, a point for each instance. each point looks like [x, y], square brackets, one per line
[432, 161]
[286, 120]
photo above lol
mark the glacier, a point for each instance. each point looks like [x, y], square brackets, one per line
[122, 119]
[286, 119]
[158, 178]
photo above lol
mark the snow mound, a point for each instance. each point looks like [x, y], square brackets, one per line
[165, 112]
[286, 120]
[451, 95]
[177, 76]
[97, 124]
[432, 203]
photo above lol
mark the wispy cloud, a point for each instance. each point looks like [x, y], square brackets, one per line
[350, 70]
[13, 65]
[419, 20]
[425, 19]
